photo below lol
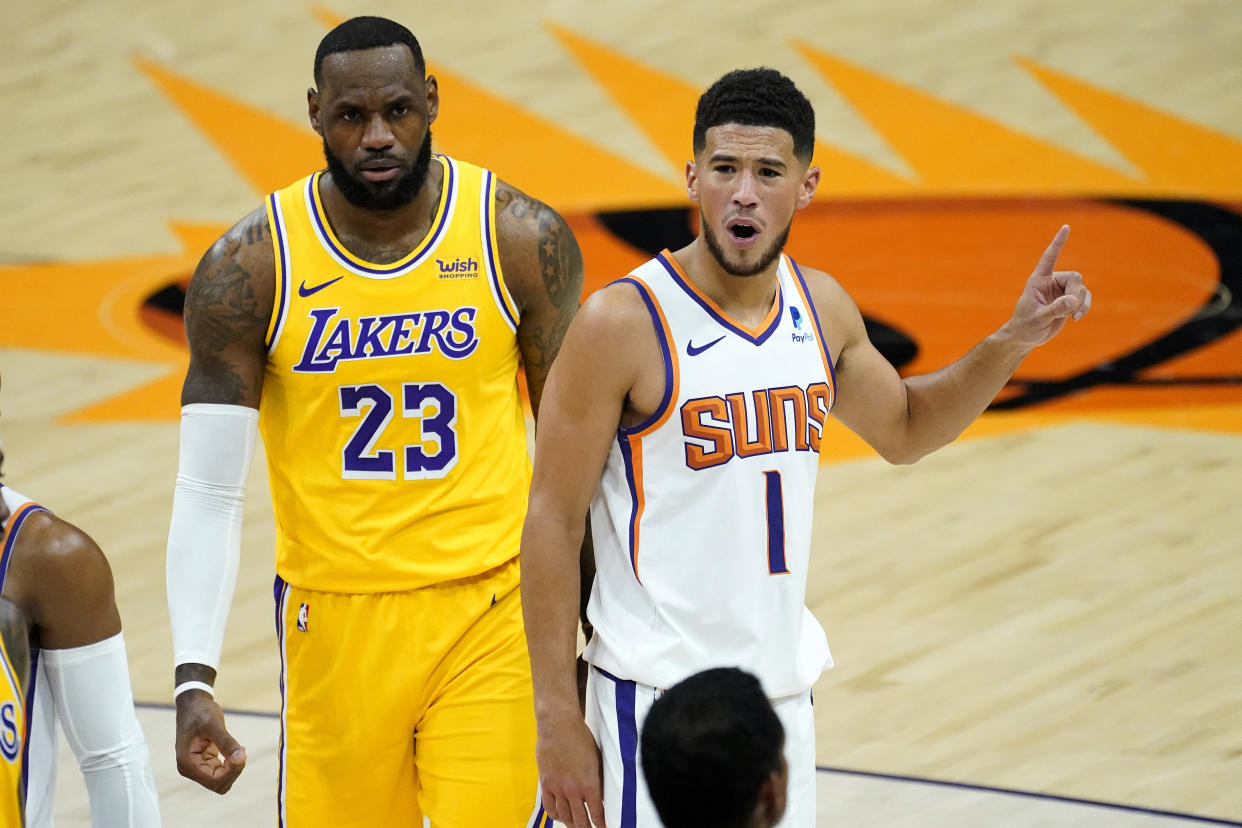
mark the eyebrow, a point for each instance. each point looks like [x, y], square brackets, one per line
[355, 99]
[718, 157]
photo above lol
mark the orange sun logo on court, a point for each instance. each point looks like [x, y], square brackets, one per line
[935, 250]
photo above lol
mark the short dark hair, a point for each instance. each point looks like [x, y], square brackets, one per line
[757, 97]
[708, 744]
[366, 33]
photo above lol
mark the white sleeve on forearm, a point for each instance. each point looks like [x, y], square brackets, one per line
[204, 539]
[95, 707]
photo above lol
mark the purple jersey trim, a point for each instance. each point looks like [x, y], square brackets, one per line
[693, 294]
[381, 270]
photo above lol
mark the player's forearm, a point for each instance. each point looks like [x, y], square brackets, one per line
[94, 704]
[123, 795]
[550, 590]
[943, 403]
[204, 536]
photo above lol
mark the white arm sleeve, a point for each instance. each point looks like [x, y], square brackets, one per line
[95, 707]
[204, 540]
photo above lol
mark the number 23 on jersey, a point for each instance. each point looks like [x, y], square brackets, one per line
[367, 457]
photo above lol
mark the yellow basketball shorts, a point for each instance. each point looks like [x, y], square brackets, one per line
[401, 705]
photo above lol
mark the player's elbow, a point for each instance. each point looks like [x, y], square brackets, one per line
[130, 751]
[904, 449]
[120, 784]
[900, 456]
[907, 440]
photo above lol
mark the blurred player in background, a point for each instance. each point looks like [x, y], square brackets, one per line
[64, 660]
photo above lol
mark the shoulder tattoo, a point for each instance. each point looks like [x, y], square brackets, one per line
[223, 308]
[560, 259]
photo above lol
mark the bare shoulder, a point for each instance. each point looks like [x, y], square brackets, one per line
[63, 582]
[615, 316]
[538, 253]
[237, 274]
[839, 317]
[227, 310]
[611, 369]
[826, 292]
[613, 349]
[55, 554]
[610, 338]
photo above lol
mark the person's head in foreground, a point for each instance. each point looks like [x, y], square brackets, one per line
[712, 753]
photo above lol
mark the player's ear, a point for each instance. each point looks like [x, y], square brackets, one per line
[433, 98]
[692, 182]
[771, 805]
[810, 183]
[312, 109]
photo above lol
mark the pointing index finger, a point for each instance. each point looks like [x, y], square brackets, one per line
[1049, 260]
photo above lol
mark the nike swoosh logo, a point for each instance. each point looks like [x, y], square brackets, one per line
[304, 291]
[693, 351]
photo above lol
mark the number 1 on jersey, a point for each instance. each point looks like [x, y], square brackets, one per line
[776, 524]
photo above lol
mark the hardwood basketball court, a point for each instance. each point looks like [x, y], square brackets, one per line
[1052, 606]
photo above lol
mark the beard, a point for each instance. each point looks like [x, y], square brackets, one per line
[764, 261]
[383, 195]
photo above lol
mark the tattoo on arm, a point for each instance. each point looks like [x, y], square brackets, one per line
[256, 232]
[227, 306]
[505, 198]
[560, 260]
[540, 344]
[544, 264]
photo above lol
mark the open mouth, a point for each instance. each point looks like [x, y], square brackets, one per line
[742, 231]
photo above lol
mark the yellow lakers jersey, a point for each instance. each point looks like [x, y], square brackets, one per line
[12, 726]
[14, 676]
[391, 417]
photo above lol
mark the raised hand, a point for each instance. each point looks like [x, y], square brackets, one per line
[1050, 298]
[206, 752]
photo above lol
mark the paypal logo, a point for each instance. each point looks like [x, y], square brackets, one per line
[799, 335]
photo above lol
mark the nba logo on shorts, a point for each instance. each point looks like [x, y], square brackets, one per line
[303, 617]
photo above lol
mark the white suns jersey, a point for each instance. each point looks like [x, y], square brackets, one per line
[702, 519]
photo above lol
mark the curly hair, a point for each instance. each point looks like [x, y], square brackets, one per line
[757, 97]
